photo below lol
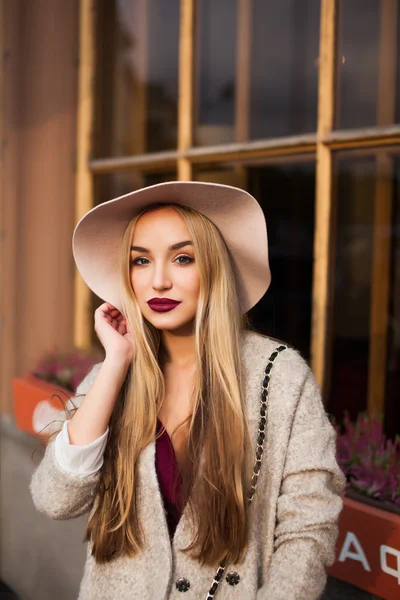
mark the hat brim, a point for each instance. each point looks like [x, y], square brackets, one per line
[97, 237]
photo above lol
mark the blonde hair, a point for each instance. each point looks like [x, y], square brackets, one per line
[215, 487]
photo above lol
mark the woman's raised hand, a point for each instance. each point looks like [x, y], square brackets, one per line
[91, 419]
[113, 332]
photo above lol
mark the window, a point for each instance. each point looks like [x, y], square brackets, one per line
[136, 76]
[364, 342]
[260, 79]
[368, 63]
[296, 102]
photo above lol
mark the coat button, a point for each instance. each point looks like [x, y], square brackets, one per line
[233, 578]
[182, 584]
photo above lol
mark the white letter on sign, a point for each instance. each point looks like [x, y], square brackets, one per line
[385, 550]
[359, 554]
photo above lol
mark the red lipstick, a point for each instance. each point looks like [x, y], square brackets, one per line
[162, 304]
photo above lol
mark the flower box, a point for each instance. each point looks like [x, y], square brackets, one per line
[37, 403]
[368, 548]
[41, 395]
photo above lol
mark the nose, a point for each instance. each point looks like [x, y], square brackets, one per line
[161, 277]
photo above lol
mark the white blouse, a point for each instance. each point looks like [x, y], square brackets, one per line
[79, 460]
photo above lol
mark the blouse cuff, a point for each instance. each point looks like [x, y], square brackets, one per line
[79, 460]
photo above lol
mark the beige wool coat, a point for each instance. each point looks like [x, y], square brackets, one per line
[294, 513]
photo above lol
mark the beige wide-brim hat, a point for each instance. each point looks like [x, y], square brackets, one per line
[238, 216]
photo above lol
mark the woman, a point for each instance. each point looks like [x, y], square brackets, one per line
[201, 450]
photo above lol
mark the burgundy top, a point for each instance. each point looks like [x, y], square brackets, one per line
[168, 478]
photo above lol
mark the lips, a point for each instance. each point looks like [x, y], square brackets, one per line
[162, 304]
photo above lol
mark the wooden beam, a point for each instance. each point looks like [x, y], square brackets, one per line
[323, 199]
[141, 162]
[84, 178]
[185, 170]
[185, 110]
[362, 138]
[297, 144]
[387, 63]
[243, 82]
[293, 145]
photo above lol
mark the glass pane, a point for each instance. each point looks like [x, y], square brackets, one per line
[393, 356]
[216, 72]
[260, 79]
[286, 194]
[367, 227]
[284, 67]
[113, 185]
[136, 76]
[367, 63]
[352, 285]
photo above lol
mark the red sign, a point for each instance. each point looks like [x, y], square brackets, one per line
[368, 549]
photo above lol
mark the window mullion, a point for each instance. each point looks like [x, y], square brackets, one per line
[380, 285]
[186, 79]
[84, 179]
[323, 201]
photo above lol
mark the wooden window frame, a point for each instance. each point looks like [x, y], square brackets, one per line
[323, 143]
[84, 177]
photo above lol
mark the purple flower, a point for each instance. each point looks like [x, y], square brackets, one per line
[66, 369]
[370, 461]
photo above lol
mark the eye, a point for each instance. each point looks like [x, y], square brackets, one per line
[184, 260]
[136, 261]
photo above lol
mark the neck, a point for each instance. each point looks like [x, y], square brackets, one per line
[179, 348]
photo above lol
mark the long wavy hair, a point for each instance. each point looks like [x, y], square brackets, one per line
[217, 467]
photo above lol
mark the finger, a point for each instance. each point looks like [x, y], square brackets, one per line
[121, 329]
[107, 307]
[101, 309]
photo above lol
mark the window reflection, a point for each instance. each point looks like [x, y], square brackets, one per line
[259, 79]
[392, 405]
[136, 76]
[367, 262]
[216, 71]
[352, 285]
[284, 67]
[113, 185]
[368, 66]
[286, 193]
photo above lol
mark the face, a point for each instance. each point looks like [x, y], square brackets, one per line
[164, 275]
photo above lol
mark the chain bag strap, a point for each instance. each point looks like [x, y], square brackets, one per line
[259, 453]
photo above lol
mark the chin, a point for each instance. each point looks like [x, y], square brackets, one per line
[168, 321]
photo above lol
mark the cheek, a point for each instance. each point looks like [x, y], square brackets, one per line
[192, 283]
[137, 283]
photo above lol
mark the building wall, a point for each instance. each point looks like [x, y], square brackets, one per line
[40, 558]
[38, 182]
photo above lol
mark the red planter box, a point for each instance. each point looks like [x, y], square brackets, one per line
[37, 403]
[368, 549]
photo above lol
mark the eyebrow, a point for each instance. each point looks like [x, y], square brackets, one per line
[173, 247]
